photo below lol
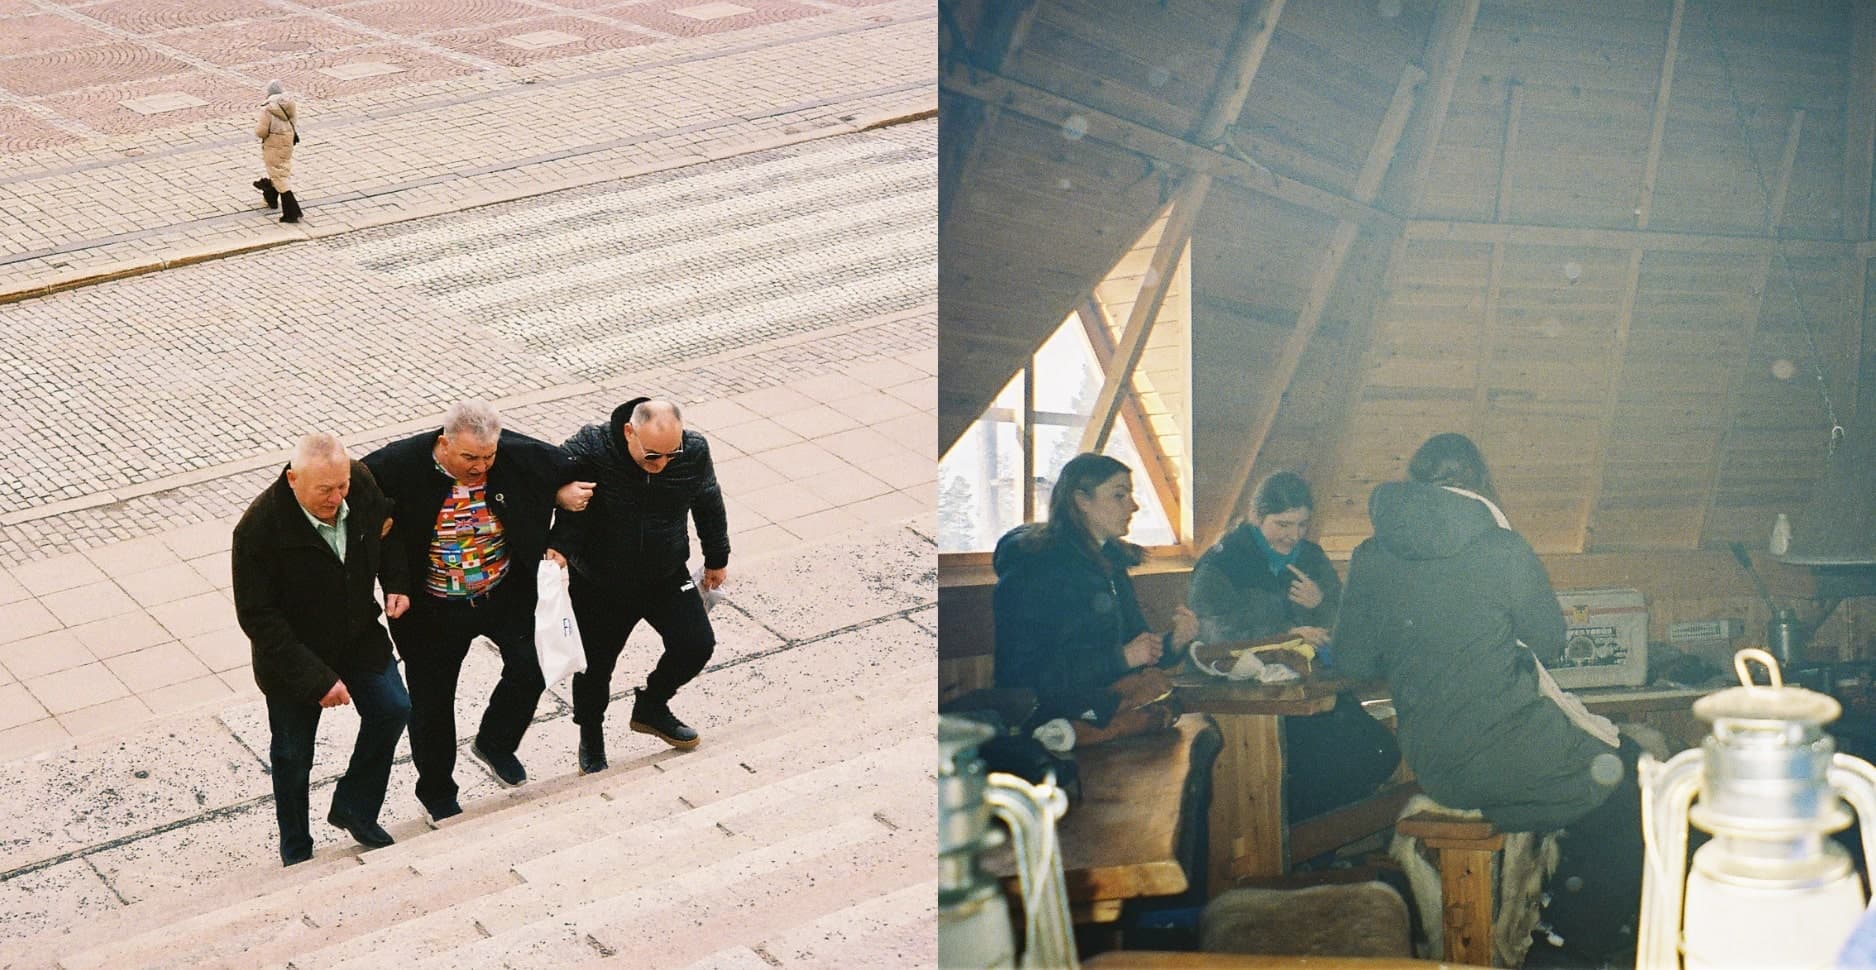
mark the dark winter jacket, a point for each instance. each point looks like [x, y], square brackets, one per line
[311, 619]
[521, 485]
[1063, 620]
[637, 523]
[1436, 602]
[1237, 597]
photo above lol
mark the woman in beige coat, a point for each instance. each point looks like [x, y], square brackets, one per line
[278, 133]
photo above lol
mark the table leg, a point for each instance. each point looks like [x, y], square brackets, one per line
[1249, 833]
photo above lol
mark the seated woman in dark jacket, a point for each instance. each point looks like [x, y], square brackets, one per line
[1456, 610]
[1068, 624]
[1264, 580]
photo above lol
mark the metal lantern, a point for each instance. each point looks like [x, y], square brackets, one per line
[1770, 889]
[973, 920]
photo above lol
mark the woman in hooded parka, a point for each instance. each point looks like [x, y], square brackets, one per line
[278, 132]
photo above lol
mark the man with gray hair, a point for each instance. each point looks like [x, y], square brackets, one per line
[306, 554]
[629, 551]
[473, 505]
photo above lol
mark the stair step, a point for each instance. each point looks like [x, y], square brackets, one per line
[897, 929]
[603, 854]
[791, 882]
[875, 685]
[469, 864]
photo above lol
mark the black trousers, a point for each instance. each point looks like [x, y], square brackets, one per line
[433, 637]
[1595, 894]
[608, 611]
[383, 708]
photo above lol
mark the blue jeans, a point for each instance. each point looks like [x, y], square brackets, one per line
[383, 710]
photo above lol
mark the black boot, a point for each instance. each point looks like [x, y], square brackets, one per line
[268, 194]
[656, 719]
[289, 208]
[592, 748]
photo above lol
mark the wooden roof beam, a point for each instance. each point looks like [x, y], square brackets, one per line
[1159, 469]
[1321, 288]
[1053, 109]
[1248, 44]
[1439, 230]
[1859, 141]
[1005, 27]
[1154, 284]
[1445, 51]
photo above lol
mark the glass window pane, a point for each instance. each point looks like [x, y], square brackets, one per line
[979, 493]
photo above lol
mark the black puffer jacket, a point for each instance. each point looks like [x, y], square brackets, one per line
[1436, 602]
[1063, 622]
[636, 524]
[310, 618]
[1237, 597]
[521, 486]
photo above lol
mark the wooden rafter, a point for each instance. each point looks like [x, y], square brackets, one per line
[1625, 318]
[1158, 279]
[1774, 214]
[1514, 112]
[1249, 42]
[1316, 303]
[1005, 28]
[1446, 49]
[1440, 230]
[1494, 279]
[1095, 321]
[1859, 141]
[1053, 109]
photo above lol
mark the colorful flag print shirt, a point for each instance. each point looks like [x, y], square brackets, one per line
[467, 554]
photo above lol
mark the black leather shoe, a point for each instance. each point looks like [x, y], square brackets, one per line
[371, 835]
[439, 812]
[293, 857]
[592, 748]
[659, 721]
[506, 767]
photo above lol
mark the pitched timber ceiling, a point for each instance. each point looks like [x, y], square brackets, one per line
[1600, 236]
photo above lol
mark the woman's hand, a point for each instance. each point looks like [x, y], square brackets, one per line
[1185, 626]
[1313, 635]
[1303, 591]
[1142, 687]
[1143, 650]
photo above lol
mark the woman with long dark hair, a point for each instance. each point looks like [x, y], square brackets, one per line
[1068, 624]
[1456, 611]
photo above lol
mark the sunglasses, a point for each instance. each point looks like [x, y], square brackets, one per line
[661, 455]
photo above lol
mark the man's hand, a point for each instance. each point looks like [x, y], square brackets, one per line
[337, 696]
[385, 530]
[1303, 591]
[395, 604]
[1143, 649]
[573, 496]
[554, 555]
[713, 578]
[1313, 635]
[1185, 626]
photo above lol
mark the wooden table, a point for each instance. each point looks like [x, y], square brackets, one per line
[1249, 828]
[1123, 841]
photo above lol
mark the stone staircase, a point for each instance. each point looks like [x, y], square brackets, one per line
[800, 834]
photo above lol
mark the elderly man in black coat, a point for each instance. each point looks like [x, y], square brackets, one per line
[306, 554]
[474, 504]
[628, 552]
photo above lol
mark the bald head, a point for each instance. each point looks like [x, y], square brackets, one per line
[654, 434]
[320, 475]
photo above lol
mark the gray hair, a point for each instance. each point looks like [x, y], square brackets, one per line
[275, 87]
[476, 420]
[318, 448]
[655, 412]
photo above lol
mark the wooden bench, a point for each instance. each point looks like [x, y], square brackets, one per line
[1465, 847]
[1136, 830]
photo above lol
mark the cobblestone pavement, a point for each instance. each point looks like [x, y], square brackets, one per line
[152, 409]
[485, 107]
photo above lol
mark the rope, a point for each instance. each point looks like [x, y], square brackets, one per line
[1778, 240]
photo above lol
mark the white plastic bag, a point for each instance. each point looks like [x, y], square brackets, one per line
[711, 597]
[556, 634]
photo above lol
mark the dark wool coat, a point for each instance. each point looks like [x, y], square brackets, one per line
[638, 524]
[1237, 597]
[521, 486]
[311, 619]
[1063, 620]
[1436, 602]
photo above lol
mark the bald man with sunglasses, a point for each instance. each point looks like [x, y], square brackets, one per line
[628, 551]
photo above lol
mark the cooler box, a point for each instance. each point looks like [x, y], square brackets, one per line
[1607, 642]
